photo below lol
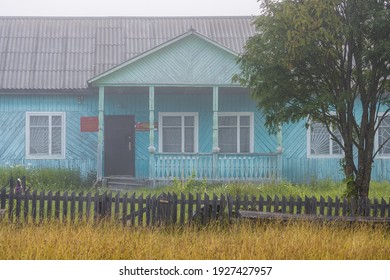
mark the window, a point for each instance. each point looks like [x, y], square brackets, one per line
[45, 135]
[383, 135]
[321, 143]
[178, 133]
[235, 132]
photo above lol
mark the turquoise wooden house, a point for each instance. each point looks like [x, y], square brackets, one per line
[147, 98]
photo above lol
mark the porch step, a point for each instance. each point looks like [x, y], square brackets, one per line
[124, 183]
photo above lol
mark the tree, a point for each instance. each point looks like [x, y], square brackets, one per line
[329, 60]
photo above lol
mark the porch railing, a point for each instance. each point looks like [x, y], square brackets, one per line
[229, 167]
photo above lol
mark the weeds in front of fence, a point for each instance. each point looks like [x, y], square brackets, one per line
[239, 240]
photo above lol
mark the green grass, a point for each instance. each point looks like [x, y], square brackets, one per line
[71, 180]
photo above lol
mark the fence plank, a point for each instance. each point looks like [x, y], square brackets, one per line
[329, 209]
[96, 206]
[261, 203]
[65, 207]
[230, 206]
[299, 205]
[73, 207]
[322, 205]
[3, 198]
[49, 207]
[345, 207]
[383, 208]
[268, 204]
[11, 205]
[18, 198]
[147, 209]
[222, 205]
[284, 205]
[190, 206]
[174, 208]
[124, 209]
[116, 207]
[57, 206]
[375, 210]
[88, 207]
[140, 209]
[337, 206]
[276, 203]
[237, 206]
[291, 204]
[154, 210]
[182, 208]
[313, 205]
[41, 206]
[206, 208]
[34, 206]
[164, 208]
[26, 206]
[80, 211]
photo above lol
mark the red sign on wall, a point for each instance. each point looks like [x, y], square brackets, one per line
[89, 124]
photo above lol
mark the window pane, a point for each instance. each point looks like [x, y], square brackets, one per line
[189, 121]
[56, 141]
[56, 121]
[319, 140]
[336, 149]
[171, 121]
[39, 140]
[171, 140]
[244, 121]
[384, 135]
[227, 121]
[189, 140]
[244, 140]
[39, 121]
[227, 138]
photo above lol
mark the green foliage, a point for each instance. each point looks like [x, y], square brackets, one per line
[327, 59]
[48, 179]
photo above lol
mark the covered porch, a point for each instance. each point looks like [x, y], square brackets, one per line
[188, 120]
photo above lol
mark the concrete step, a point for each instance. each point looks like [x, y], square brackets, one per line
[124, 183]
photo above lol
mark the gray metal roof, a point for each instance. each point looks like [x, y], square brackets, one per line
[64, 53]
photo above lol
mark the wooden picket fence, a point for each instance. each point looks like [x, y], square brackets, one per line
[149, 210]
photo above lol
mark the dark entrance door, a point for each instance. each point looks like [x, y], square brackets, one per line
[119, 155]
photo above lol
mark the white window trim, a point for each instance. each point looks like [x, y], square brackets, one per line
[376, 141]
[178, 114]
[251, 128]
[308, 146]
[63, 135]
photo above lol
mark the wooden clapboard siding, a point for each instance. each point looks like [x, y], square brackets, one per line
[191, 60]
[239, 100]
[12, 136]
[80, 146]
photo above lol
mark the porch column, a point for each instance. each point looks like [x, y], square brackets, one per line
[152, 148]
[215, 132]
[100, 154]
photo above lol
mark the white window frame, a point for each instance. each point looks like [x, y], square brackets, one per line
[182, 115]
[376, 143]
[251, 128]
[63, 135]
[308, 145]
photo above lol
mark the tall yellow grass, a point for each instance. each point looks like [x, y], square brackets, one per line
[237, 241]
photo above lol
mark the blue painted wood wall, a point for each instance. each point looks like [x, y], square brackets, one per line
[81, 147]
